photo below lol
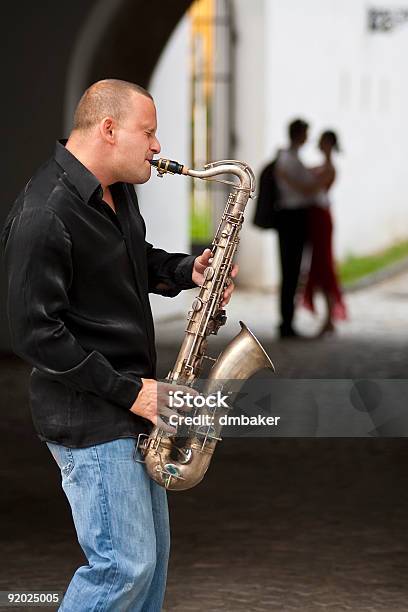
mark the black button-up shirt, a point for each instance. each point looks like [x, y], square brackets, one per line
[79, 275]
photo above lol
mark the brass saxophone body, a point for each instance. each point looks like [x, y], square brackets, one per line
[181, 463]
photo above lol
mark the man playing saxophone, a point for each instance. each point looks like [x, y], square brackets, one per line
[79, 273]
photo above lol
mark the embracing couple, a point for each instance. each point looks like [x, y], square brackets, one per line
[304, 216]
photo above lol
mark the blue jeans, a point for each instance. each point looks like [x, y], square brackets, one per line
[121, 519]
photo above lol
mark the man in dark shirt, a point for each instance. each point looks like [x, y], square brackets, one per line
[79, 271]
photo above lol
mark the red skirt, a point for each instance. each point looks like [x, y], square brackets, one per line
[322, 274]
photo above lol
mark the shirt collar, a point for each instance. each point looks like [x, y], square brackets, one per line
[83, 180]
[294, 151]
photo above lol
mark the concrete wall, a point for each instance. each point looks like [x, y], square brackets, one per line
[257, 255]
[322, 62]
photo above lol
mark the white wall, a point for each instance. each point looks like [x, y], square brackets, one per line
[323, 63]
[164, 202]
[257, 254]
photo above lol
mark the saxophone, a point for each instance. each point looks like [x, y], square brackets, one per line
[181, 463]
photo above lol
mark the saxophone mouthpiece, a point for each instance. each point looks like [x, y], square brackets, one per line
[168, 166]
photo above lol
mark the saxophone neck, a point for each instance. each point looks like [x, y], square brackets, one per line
[228, 166]
[240, 169]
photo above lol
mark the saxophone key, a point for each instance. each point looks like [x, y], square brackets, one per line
[208, 273]
[197, 304]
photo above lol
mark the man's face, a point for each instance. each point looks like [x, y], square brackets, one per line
[303, 137]
[136, 141]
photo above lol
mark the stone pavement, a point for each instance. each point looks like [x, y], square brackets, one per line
[277, 524]
[377, 311]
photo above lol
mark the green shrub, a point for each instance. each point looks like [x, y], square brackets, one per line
[354, 268]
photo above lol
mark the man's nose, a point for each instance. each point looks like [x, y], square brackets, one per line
[156, 148]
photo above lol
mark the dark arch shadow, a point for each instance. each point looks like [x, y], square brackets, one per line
[122, 39]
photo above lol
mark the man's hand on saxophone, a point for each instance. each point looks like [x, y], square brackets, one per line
[201, 263]
[152, 402]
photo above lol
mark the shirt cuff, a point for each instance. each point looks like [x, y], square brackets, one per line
[183, 273]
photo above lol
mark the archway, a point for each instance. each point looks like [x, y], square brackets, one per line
[121, 39]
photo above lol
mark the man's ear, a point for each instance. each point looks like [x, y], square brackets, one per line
[107, 130]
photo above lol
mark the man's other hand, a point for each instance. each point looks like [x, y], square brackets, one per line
[201, 263]
[153, 401]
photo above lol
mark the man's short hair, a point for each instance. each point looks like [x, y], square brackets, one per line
[297, 128]
[107, 98]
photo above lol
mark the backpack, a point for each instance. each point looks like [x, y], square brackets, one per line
[267, 204]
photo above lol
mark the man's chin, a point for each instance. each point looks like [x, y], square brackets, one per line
[148, 175]
[142, 177]
[148, 172]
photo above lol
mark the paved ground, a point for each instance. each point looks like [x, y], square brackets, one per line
[278, 524]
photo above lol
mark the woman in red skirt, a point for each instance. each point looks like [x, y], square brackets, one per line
[322, 274]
